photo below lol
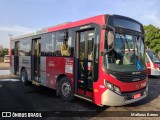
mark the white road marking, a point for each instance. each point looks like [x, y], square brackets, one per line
[6, 80]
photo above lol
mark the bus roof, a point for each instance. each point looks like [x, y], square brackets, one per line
[66, 25]
[100, 19]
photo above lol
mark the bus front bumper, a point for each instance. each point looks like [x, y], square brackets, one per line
[111, 98]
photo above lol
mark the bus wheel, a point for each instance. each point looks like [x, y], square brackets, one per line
[66, 91]
[24, 77]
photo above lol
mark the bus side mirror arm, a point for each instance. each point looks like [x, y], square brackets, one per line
[104, 52]
[110, 38]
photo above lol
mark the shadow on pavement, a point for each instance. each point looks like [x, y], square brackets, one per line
[32, 98]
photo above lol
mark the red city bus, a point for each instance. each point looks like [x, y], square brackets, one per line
[100, 59]
[152, 63]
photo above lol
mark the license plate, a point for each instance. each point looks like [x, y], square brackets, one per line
[137, 96]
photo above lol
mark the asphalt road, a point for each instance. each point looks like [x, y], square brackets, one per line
[14, 96]
[4, 66]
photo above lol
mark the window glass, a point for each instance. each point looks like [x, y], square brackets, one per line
[58, 43]
[25, 47]
[47, 44]
[128, 24]
[127, 55]
[152, 56]
[97, 47]
[64, 45]
[90, 44]
[82, 45]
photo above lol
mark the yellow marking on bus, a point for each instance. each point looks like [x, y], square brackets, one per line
[83, 98]
[95, 90]
[36, 83]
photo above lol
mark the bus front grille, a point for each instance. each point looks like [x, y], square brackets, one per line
[129, 76]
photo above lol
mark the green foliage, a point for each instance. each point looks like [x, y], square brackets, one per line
[4, 52]
[152, 38]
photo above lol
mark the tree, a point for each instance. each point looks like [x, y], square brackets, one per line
[4, 52]
[152, 38]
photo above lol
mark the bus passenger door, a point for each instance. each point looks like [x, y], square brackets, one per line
[84, 51]
[16, 59]
[35, 62]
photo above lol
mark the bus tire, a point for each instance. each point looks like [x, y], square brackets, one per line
[24, 77]
[66, 91]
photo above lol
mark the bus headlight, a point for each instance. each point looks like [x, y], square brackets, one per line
[117, 90]
[109, 85]
[112, 87]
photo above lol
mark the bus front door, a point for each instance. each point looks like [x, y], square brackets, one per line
[16, 59]
[36, 49]
[84, 48]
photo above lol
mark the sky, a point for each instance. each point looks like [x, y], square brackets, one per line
[18, 17]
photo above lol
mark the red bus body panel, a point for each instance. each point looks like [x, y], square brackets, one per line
[55, 66]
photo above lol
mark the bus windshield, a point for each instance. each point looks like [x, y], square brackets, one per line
[128, 54]
[153, 57]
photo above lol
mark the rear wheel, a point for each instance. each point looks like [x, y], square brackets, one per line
[24, 77]
[66, 91]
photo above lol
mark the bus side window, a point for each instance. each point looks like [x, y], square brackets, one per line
[57, 51]
[65, 51]
[63, 46]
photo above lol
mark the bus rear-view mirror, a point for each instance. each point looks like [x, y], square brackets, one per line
[110, 39]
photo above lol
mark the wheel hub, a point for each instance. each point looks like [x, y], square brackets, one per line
[66, 89]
